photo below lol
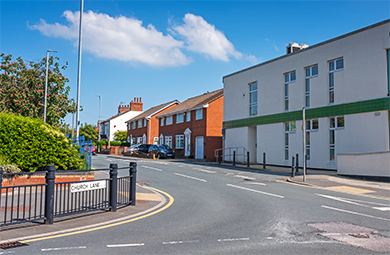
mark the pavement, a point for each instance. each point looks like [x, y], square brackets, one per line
[149, 200]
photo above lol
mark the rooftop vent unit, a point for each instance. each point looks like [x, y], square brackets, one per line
[293, 47]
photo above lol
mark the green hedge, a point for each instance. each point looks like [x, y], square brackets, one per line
[31, 144]
[113, 143]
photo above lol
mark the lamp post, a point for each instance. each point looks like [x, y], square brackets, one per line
[47, 71]
[100, 109]
[79, 73]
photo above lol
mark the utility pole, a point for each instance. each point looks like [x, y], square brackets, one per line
[79, 71]
[304, 142]
[47, 71]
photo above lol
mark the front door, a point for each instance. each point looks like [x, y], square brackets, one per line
[199, 146]
[187, 142]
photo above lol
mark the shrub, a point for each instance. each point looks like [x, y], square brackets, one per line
[31, 144]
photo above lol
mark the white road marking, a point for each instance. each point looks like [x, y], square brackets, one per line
[190, 177]
[355, 213]
[358, 202]
[153, 168]
[7, 252]
[382, 208]
[125, 245]
[205, 171]
[253, 190]
[64, 248]
[233, 239]
[244, 177]
[181, 242]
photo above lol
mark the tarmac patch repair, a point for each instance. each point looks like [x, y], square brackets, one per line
[358, 236]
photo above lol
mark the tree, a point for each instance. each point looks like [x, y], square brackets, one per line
[22, 89]
[120, 136]
[89, 131]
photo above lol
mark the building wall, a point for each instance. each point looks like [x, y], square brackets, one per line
[364, 77]
[118, 123]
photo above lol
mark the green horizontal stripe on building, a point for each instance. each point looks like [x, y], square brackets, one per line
[380, 104]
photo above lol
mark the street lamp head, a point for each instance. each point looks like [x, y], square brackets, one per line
[51, 51]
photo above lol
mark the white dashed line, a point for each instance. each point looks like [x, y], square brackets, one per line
[190, 177]
[180, 242]
[64, 248]
[233, 240]
[205, 171]
[253, 190]
[152, 168]
[125, 245]
[245, 177]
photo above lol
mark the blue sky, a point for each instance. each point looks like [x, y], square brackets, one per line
[166, 50]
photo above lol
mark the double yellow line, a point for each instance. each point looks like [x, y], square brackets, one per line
[170, 202]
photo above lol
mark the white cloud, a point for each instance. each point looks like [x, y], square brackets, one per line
[119, 38]
[203, 37]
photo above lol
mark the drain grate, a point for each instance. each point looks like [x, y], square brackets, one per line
[10, 245]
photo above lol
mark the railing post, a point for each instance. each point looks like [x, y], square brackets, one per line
[292, 166]
[1, 182]
[297, 163]
[133, 181]
[234, 158]
[264, 165]
[113, 186]
[220, 157]
[247, 157]
[49, 194]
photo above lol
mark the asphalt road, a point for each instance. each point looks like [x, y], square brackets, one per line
[219, 210]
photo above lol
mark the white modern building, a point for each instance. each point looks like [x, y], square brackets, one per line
[344, 86]
[108, 127]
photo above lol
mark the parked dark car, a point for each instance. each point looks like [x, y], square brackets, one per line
[131, 151]
[143, 150]
[161, 151]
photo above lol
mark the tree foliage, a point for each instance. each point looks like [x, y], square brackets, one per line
[120, 136]
[89, 131]
[30, 144]
[22, 89]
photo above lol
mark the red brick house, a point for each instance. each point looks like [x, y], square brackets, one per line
[144, 128]
[193, 128]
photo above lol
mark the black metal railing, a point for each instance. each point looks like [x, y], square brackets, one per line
[44, 201]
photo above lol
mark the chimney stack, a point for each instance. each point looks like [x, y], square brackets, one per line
[136, 104]
[123, 108]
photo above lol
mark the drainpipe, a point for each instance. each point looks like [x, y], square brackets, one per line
[150, 123]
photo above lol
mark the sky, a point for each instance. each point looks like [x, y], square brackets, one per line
[168, 50]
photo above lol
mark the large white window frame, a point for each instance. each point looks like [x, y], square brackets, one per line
[179, 142]
[289, 127]
[162, 122]
[133, 125]
[288, 79]
[334, 66]
[140, 123]
[311, 126]
[180, 118]
[335, 123]
[311, 71]
[168, 120]
[168, 140]
[253, 87]
[188, 116]
[199, 114]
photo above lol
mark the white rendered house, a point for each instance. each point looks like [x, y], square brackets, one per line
[344, 86]
[108, 127]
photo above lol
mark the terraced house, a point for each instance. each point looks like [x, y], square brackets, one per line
[343, 84]
[194, 127]
[144, 128]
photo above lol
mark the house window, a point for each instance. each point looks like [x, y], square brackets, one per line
[334, 124]
[180, 118]
[199, 114]
[253, 99]
[179, 142]
[188, 115]
[133, 140]
[334, 65]
[139, 139]
[288, 78]
[161, 139]
[311, 125]
[162, 121]
[289, 127]
[168, 140]
[133, 125]
[310, 72]
[155, 140]
[145, 122]
[139, 123]
[168, 120]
